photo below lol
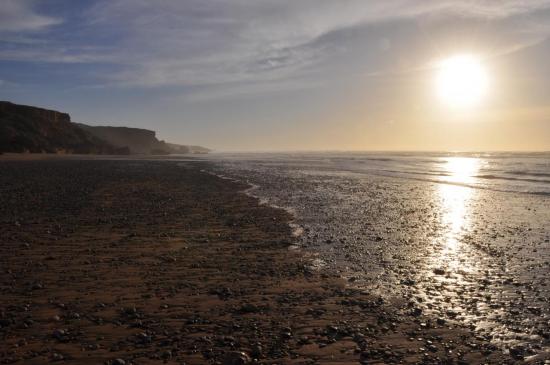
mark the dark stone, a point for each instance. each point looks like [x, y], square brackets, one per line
[236, 358]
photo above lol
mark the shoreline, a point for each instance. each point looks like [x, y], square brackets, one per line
[155, 261]
[470, 256]
[297, 230]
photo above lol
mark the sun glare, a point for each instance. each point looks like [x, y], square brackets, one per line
[461, 80]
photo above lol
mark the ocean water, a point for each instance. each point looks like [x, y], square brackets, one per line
[503, 171]
[463, 238]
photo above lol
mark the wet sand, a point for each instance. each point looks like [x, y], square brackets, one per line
[138, 262]
[474, 258]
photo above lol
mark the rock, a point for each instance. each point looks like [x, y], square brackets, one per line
[286, 335]
[60, 334]
[130, 311]
[257, 351]
[5, 322]
[118, 362]
[517, 352]
[249, 308]
[143, 338]
[236, 358]
[432, 348]
[439, 271]
[452, 314]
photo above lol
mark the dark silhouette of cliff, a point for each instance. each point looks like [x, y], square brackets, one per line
[36, 130]
[177, 148]
[139, 141]
[30, 129]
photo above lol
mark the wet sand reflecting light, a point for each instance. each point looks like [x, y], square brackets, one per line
[454, 201]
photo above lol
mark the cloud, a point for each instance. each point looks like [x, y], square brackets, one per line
[19, 15]
[218, 43]
[197, 42]
[44, 54]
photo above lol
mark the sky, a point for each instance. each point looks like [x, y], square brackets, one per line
[266, 75]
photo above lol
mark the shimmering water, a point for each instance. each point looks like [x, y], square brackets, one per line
[514, 172]
[462, 237]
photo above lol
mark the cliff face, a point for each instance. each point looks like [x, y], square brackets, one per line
[198, 149]
[30, 129]
[177, 148]
[141, 141]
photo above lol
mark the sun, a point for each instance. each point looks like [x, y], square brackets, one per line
[461, 80]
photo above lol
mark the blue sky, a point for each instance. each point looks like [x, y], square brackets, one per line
[282, 74]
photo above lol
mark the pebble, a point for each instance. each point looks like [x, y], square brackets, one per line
[236, 358]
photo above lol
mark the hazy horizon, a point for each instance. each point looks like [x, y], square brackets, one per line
[272, 76]
[419, 151]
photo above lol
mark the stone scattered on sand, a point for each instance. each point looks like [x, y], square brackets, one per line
[236, 358]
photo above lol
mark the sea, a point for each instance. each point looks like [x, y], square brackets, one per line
[463, 238]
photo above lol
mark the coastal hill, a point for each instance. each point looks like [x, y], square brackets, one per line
[35, 130]
[140, 141]
[177, 148]
[29, 129]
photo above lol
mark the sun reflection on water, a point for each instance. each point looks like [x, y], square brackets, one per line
[452, 266]
[461, 170]
[454, 202]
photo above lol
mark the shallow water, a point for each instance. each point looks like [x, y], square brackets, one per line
[463, 238]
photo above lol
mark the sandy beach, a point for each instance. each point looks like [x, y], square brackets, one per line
[275, 182]
[138, 262]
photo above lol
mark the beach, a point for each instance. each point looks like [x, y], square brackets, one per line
[137, 262]
[275, 182]
[462, 238]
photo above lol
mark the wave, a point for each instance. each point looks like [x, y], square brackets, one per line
[532, 173]
[512, 172]
[427, 173]
[500, 177]
[503, 188]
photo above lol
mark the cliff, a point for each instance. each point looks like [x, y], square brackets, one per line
[30, 129]
[177, 148]
[139, 141]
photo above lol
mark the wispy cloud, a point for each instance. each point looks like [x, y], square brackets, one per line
[199, 43]
[20, 16]
[61, 55]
